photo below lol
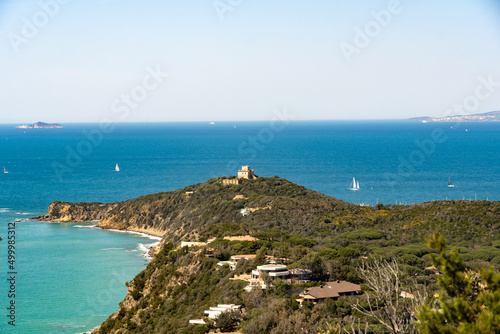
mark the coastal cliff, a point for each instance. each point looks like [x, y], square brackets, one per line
[65, 212]
[301, 227]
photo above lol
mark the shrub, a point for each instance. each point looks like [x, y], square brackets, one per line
[136, 294]
[328, 253]
[417, 250]
[364, 234]
[227, 321]
[484, 253]
[349, 252]
[296, 240]
[411, 260]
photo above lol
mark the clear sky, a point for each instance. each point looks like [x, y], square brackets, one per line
[87, 60]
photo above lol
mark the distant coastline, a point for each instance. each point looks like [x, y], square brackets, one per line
[492, 116]
[40, 125]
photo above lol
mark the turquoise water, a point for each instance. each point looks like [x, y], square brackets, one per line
[74, 276]
[70, 277]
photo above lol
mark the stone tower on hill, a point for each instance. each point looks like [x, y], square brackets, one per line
[246, 173]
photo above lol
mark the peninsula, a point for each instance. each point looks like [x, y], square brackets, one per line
[492, 116]
[40, 125]
[212, 254]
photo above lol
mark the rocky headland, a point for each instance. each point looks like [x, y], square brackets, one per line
[303, 227]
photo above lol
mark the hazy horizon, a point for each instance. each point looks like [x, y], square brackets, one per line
[222, 121]
[236, 60]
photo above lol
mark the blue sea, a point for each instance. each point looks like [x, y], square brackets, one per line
[71, 277]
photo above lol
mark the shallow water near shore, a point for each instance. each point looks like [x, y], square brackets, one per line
[71, 277]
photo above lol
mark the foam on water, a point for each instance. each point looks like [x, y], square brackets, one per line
[152, 237]
[145, 249]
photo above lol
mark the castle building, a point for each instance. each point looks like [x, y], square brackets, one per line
[246, 173]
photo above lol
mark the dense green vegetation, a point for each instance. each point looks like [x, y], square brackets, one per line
[211, 211]
[468, 302]
[174, 288]
[303, 228]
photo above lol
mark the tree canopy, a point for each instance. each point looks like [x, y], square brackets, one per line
[469, 301]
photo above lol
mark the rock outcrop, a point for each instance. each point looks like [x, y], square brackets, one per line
[76, 212]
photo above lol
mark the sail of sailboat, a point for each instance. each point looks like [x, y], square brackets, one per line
[354, 185]
[117, 169]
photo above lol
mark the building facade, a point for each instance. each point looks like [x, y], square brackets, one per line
[230, 182]
[246, 173]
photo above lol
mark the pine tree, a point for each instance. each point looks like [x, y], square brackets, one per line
[469, 302]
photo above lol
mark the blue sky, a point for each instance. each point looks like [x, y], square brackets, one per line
[244, 60]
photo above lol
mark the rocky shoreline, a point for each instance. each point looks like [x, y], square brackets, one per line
[152, 248]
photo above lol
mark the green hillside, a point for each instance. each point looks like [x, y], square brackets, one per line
[305, 228]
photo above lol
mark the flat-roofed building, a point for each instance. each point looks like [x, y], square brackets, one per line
[243, 257]
[274, 271]
[298, 275]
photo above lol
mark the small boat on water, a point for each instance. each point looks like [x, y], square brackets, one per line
[117, 169]
[450, 185]
[5, 171]
[354, 185]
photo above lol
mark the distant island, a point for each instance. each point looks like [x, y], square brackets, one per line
[40, 125]
[492, 116]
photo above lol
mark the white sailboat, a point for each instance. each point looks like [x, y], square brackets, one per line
[354, 185]
[117, 169]
[5, 171]
[450, 185]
